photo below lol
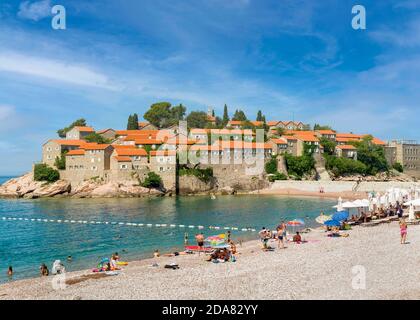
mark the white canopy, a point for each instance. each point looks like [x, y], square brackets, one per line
[415, 203]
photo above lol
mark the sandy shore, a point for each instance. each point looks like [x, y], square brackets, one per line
[348, 195]
[320, 269]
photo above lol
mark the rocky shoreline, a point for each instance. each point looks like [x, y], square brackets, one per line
[26, 187]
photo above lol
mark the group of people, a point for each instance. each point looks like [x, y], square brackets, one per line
[280, 234]
[57, 268]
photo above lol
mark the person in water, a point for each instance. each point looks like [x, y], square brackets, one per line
[156, 254]
[403, 231]
[69, 258]
[43, 269]
[10, 271]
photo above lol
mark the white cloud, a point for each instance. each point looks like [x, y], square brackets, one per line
[35, 11]
[5, 112]
[54, 70]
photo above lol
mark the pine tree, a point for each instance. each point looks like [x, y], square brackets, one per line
[259, 116]
[135, 122]
[225, 116]
[129, 122]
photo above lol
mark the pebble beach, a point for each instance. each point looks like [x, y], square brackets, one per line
[322, 268]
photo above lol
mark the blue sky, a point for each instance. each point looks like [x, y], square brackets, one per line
[292, 59]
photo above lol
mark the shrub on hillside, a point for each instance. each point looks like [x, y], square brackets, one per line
[277, 176]
[152, 180]
[271, 166]
[202, 174]
[344, 166]
[299, 166]
[398, 166]
[42, 172]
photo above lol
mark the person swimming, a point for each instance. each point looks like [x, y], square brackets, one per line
[10, 271]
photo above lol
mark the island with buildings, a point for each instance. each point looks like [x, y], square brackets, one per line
[202, 153]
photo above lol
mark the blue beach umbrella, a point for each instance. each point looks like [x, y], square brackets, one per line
[340, 216]
[332, 223]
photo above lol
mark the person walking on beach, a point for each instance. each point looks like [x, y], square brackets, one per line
[280, 236]
[200, 240]
[403, 231]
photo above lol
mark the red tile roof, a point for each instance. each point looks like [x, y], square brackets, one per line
[346, 147]
[123, 158]
[76, 152]
[85, 129]
[131, 152]
[94, 146]
[279, 141]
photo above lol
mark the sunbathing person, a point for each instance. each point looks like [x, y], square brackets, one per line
[297, 237]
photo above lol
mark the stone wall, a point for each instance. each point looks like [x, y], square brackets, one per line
[191, 184]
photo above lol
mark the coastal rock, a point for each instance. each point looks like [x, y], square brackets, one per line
[50, 190]
[226, 191]
[19, 187]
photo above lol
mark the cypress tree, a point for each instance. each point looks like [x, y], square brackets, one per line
[225, 116]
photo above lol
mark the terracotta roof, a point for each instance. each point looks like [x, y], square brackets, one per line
[349, 135]
[143, 141]
[340, 139]
[94, 146]
[85, 129]
[257, 123]
[307, 138]
[143, 124]
[235, 122]
[285, 123]
[326, 131]
[65, 142]
[287, 137]
[76, 152]
[131, 152]
[123, 158]
[378, 141]
[346, 147]
[279, 141]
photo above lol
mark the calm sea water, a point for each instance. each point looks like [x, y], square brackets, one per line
[26, 244]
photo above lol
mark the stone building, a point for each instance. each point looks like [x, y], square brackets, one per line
[56, 147]
[78, 133]
[346, 151]
[407, 153]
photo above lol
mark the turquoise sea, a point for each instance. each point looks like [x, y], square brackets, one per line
[25, 244]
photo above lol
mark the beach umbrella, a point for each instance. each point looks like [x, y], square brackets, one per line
[340, 204]
[296, 223]
[322, 218]
[415, 203]
[340, 216]
[347, 205]
[411, 215]
[332, 223]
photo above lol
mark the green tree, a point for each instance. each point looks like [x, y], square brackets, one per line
[133, 122]
[225, 116]
[43, 172]
[178, 113]
[373, 156]
[197, 119]
[239, 115]
[280, 131]
[163, 115]
[329, 145]
[398, 166]
[152, 180]
[259, 116]
[78, 123]
[96, 137]
[319, 127]
[299, 166]
[60, 162]
[271, 166]
[344, 166]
